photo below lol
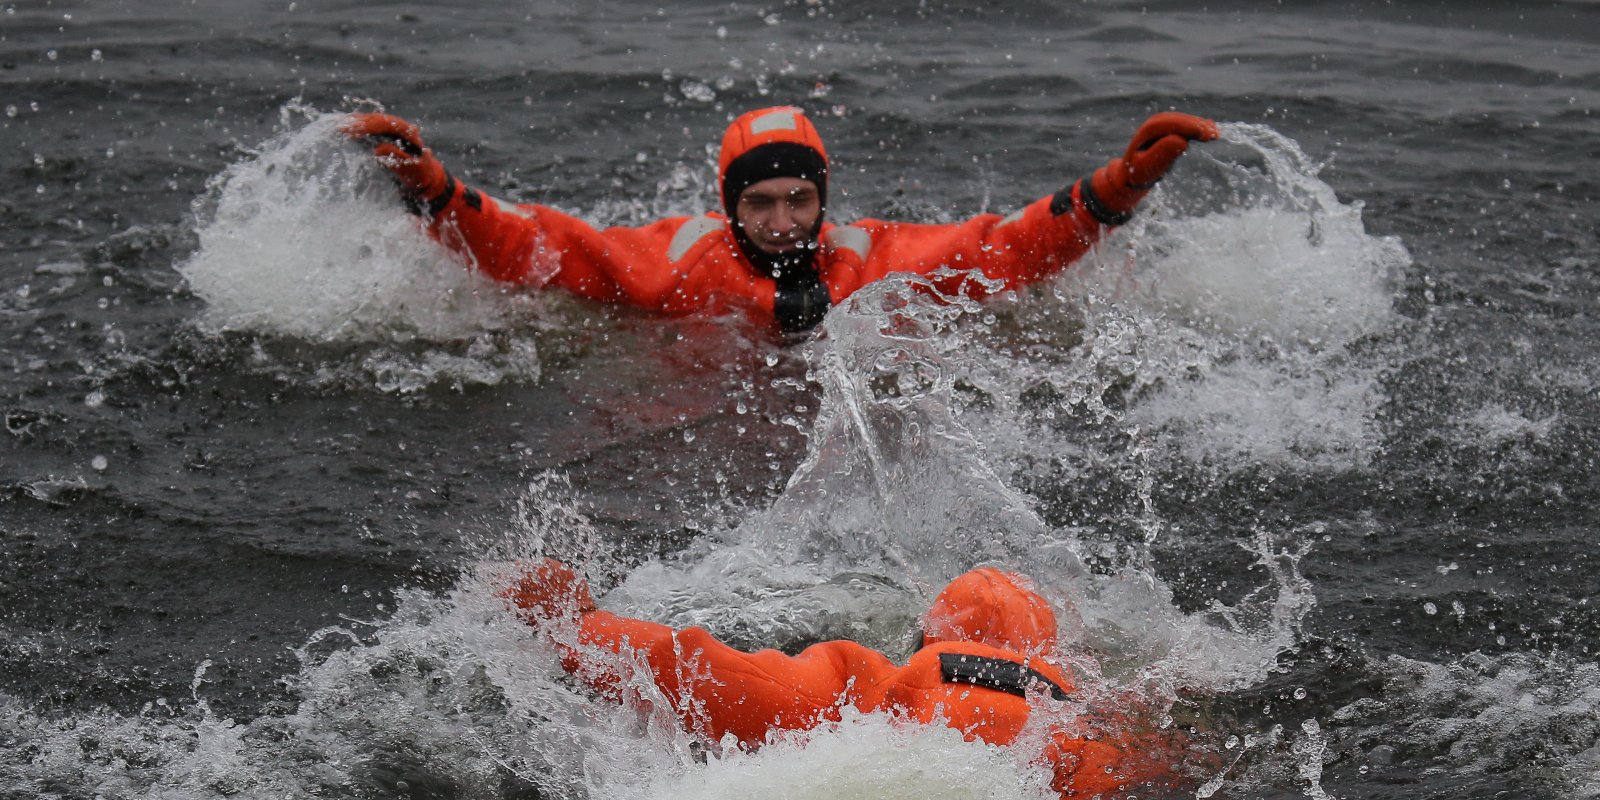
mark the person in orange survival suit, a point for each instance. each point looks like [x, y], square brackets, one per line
[980, 669]
[770, 250]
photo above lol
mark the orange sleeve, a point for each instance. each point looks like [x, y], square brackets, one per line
[716, 689]
[1029, 245]
[1085, 768]
[1147, 761]
[534, 245]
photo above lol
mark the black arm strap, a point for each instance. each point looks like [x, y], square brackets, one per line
[1097, 207]
[995, 673]
[1082, 191]
[431, 208]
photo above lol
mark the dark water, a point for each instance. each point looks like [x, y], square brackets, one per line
[1311, 447]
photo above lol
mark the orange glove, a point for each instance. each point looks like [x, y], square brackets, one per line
[1116, 188]
[398, 146]
[549, 590]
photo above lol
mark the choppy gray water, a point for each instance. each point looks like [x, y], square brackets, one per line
[1310, 448]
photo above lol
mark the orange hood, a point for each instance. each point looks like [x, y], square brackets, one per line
[777, 142]
[988, 606]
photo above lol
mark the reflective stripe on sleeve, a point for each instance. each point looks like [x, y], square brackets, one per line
[692, 231]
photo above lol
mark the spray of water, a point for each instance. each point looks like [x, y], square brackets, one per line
[935, 415]
[1240, 329]
[929, 411]
[305, 239]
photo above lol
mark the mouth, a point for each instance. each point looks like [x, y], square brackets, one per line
[783, 245]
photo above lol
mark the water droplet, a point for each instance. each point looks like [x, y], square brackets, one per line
[51, 54]
[688, 436]
[698, 92]
[94, 399]
[1300, 693]
[96, 55]
[99, 463]
[11, 110]
[1430, 608]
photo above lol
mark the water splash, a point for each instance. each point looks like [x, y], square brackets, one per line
[862, 756]
[1244, 331]
[934, 416]
[452, 697]
[1273, 253]
[305, 239]
[929, 414]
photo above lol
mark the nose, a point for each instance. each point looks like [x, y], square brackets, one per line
[782, 218]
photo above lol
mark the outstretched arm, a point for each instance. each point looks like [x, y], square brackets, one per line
[714, 689]
[1080, 213]
[1112, 193]
[1046, 235]
[521, 244]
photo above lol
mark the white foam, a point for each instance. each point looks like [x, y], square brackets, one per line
[306, 238]
[1239, 326]
[864, 756]
[1495, 424]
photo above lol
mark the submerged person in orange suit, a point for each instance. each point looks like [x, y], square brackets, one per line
[981, 669]
[770, 251]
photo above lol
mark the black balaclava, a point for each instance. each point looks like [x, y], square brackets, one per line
[776, 160]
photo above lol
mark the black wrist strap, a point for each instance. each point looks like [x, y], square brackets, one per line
[1097, 207]
[431, 208]
[1082, 191]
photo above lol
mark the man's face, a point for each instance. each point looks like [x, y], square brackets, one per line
[778, 214]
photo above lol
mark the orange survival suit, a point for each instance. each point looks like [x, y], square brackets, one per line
[685, 264]
[979, 669]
